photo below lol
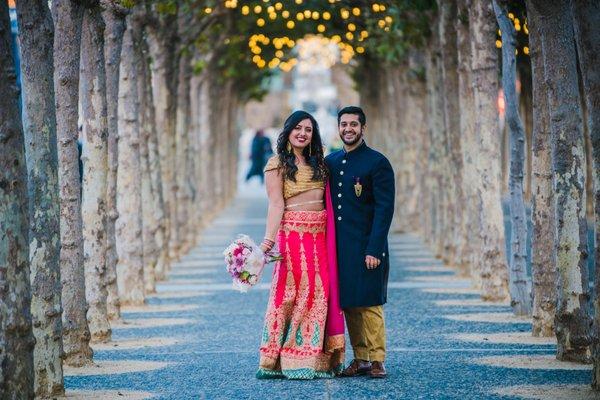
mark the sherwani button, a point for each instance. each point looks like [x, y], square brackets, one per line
[339, 195]
[341, 172]
[339, 218]
[343, 161]
[339, 207]
[340, 184]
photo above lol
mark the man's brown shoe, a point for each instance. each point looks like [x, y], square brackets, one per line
[377, 370]
[357, 368]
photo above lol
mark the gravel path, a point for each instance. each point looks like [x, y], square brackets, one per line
[210, 348]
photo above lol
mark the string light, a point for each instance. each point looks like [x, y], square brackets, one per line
[344, 42]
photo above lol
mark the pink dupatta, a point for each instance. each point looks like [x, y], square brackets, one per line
[334, 327]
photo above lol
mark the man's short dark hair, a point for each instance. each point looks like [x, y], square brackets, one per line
[353, 110]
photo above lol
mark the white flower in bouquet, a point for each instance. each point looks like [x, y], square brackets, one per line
[245, 262]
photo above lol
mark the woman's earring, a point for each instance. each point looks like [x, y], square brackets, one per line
[289, 147]
[310, 149]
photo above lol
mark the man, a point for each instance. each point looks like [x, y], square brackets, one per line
[362, 190]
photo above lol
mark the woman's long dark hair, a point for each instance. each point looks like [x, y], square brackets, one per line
[313, 153]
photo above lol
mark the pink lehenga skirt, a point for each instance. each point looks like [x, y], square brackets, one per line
[303, 335]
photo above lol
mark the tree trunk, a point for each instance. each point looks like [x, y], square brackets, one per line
[573, 321]
[494, 272]
[94, 156]
[130, 276]
[182, 143]
[469, 254]
[448, 46]
[436, 157]
[543, 262]
[68, 15]
[16, 339]
[162, 48]
[586, 18]
[205, 155]
[415, 130]
[36, 34]
[195, 151]
[149, 221]
[160, 236]
[519, 285]
[114, 20]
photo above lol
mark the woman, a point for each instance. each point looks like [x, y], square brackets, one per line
[303, 336]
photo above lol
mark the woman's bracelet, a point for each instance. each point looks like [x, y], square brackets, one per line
[268, 243]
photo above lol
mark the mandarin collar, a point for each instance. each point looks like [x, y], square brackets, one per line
[360, 147]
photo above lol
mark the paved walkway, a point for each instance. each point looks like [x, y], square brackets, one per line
[210, 334]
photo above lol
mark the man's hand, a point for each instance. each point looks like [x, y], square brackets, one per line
[372, 262]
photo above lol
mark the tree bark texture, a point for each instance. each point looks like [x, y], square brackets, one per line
[36, 34]
[494, 272]
[519, 285]
[68, 15]
[16, 338]
[543, 261]
[469, 254]
[437, 183]
[149, 221]
[130, 275]
[586, 18]
[182, 143]
[160, 236]
[114, 21]
[449, 52]
[573, 322]
[94, 157]
[162, 48]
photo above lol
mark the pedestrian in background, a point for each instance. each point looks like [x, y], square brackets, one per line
[260, 152]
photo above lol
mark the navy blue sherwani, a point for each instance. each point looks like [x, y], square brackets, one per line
[362, 191]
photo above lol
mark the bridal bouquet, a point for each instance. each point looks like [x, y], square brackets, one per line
[246, 261]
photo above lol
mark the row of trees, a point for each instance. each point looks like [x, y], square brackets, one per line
[447, 155]
[159, 158]
[157, 86]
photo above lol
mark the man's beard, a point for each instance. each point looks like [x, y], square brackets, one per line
[352, 142]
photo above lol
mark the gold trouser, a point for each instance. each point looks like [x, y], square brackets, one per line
[366, 327]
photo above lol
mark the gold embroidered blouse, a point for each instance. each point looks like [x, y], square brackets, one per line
[303, 182]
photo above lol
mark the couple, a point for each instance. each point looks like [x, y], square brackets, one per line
[330, 218]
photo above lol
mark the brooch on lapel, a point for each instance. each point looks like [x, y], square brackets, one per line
[357, 187]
